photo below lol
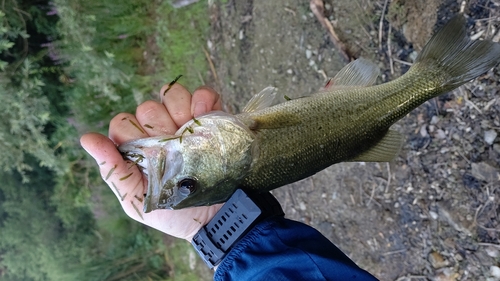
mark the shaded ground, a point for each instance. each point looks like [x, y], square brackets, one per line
[432, 214]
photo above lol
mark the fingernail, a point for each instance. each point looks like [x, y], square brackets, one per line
[199, 108]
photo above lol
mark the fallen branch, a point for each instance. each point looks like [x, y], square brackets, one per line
[318, 9]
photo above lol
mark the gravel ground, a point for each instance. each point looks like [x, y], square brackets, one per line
[432, 213]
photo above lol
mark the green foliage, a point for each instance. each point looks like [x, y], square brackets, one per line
[136, 255]
[64, 75]
[101, 64]
[25, 108]
[180, 35]
[34, 244]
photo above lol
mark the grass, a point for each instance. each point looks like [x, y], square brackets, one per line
[119, 53]
[181, 37]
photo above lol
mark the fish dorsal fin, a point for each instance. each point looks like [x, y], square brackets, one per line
[384, 151]
[265, 98]
[360, 72]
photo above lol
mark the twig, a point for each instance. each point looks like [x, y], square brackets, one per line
[489, 245]
[371, 199]
[381, 25]
[409, 277]
[389, 52]
[467, 101]
[388, 177]
[402, 62]
[480, 225]
[318, 10]
[290, 11]
[394, 252]
[211, 64]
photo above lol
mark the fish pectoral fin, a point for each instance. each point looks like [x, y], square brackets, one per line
[359, 73]
[384, 151]
[277, 120]
[266, 98]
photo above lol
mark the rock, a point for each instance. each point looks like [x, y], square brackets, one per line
[433, 215]
[440, 134]
[490, 136]
[302, 206]
[484, 172]
[308, 54]
[446, 274]
[492, 252]
[495, 271]
[496, 147]
[437, 260]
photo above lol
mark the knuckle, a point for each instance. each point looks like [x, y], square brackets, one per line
[120, 117]
[148, 106]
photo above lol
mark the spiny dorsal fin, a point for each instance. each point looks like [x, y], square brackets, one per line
[265, 98]
[384, 151]
[360, 72]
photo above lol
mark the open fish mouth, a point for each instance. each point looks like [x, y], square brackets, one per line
[160, 160]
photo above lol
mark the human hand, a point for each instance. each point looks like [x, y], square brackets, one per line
[151, 119]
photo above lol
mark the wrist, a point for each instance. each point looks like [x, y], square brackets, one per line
[233, 221]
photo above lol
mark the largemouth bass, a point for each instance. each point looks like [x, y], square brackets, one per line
[267, 146]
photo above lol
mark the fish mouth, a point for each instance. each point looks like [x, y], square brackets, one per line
[161, 160]
[166, 198]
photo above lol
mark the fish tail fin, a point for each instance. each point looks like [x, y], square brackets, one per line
[458, 58]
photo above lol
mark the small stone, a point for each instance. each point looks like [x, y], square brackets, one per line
[446, 274]
[302, 206]
[437, 260]
[434, 120]
[433, 215]
[495, 271]
[440, 134]
[423, 131]
[413, 56]
[308, 54]
[484, 172]
[492, 252]
[490, 136]
[496, 147]
[289, 71]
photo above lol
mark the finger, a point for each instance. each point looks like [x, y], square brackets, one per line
[205, 99]
[125, 127]
[124, 179]
[154, 118]
[177, 100]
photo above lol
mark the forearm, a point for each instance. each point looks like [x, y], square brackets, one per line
[281, 249]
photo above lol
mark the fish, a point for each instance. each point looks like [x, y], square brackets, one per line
[272, 143]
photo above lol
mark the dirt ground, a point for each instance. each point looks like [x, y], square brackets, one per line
[431, 214]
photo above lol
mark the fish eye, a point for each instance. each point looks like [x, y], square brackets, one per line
[187, 185]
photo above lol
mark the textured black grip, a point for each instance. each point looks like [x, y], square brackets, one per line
[240, 213]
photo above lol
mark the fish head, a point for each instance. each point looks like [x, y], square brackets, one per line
[200, 165]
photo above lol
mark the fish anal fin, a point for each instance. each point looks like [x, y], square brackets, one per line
[384, 151]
